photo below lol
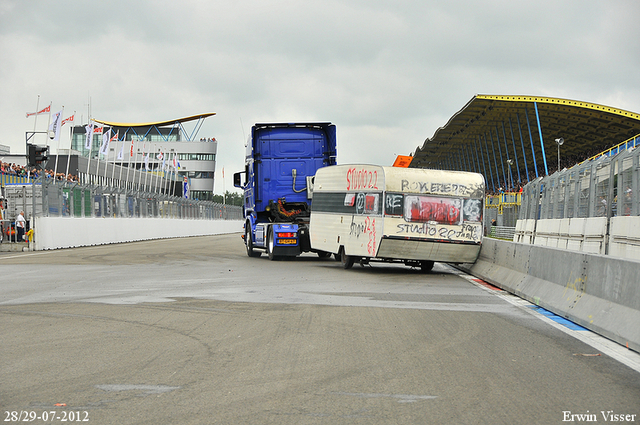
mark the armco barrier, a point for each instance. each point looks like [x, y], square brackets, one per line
[65, 232]
[598, 292]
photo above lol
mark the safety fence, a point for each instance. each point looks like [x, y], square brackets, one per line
[51, 198]
[592, 207]
[502, 210]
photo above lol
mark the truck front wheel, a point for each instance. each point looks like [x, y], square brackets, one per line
[248, 242]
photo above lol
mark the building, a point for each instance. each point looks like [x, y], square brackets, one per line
[163, 147]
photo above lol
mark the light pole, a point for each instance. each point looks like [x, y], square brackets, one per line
[510, 161]
[559, 141]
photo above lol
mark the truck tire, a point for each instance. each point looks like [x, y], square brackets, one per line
[270, 245]
[346, 260]
[248, 242]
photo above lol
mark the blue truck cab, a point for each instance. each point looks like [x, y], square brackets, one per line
[280, 163]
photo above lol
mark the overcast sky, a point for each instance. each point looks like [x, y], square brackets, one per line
[387, 73]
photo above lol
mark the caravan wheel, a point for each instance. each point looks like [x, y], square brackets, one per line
[346, 260]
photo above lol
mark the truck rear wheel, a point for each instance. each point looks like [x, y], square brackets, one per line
[270, 245]
[248, 242]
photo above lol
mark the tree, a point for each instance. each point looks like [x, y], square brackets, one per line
[232, 198]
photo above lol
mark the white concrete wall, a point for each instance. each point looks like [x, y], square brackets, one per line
[596, 291]
[64, 232]
[584, 235]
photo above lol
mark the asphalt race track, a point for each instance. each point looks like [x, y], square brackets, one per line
[192, 331]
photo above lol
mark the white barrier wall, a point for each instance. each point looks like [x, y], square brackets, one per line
[65, 232]
[598, 292]
[584, 235]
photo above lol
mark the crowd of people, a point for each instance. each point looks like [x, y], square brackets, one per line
[22, 171]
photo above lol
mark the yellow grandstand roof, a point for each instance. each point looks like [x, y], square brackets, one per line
[497, 123]
[157, 124]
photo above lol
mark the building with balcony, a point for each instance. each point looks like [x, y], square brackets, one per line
[162, 148]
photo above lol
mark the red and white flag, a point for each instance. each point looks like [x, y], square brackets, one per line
[44, 111]
[66, 120]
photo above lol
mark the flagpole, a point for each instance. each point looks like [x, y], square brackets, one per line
[151, 185]
[36, 120]
[144, 145]
[158, 172]
[70, 142]
[129, 164]
[55, 168]
[113, 166]
[122, 162]
[146, 168]
[89, 130]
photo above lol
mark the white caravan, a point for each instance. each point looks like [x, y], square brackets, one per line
[366, 212]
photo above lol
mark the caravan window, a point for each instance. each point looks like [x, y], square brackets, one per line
[434, 209]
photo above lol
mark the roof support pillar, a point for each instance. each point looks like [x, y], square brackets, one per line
[478, 161]
[533, 152]
[465, 159]
[504, 136]
[486, 147]
[524, 156]
[544, 157]
[505, 177]
[495, 160]
[469, 159]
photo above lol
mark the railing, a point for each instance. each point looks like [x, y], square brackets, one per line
[51, 198]
[502, 232]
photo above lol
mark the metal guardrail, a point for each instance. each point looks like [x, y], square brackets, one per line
[502, 232]
[51, 198]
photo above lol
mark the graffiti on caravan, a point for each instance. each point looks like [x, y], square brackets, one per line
[362, 179]
[465, 232]
[453, 189]
[365, 228]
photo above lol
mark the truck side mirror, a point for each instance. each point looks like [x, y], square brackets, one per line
[237, 179]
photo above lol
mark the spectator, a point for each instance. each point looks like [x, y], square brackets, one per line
[20, 225]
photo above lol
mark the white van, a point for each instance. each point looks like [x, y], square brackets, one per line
[366, 212]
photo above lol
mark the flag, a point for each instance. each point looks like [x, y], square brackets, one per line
[44, 111]
[175, 164]
[160, 155]
[98, 130]
[105, 142]
[222, 172]
[131, 148]
[121, 152]
[55, 125]
[146, 162]
[66, 120]
[89, 130]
